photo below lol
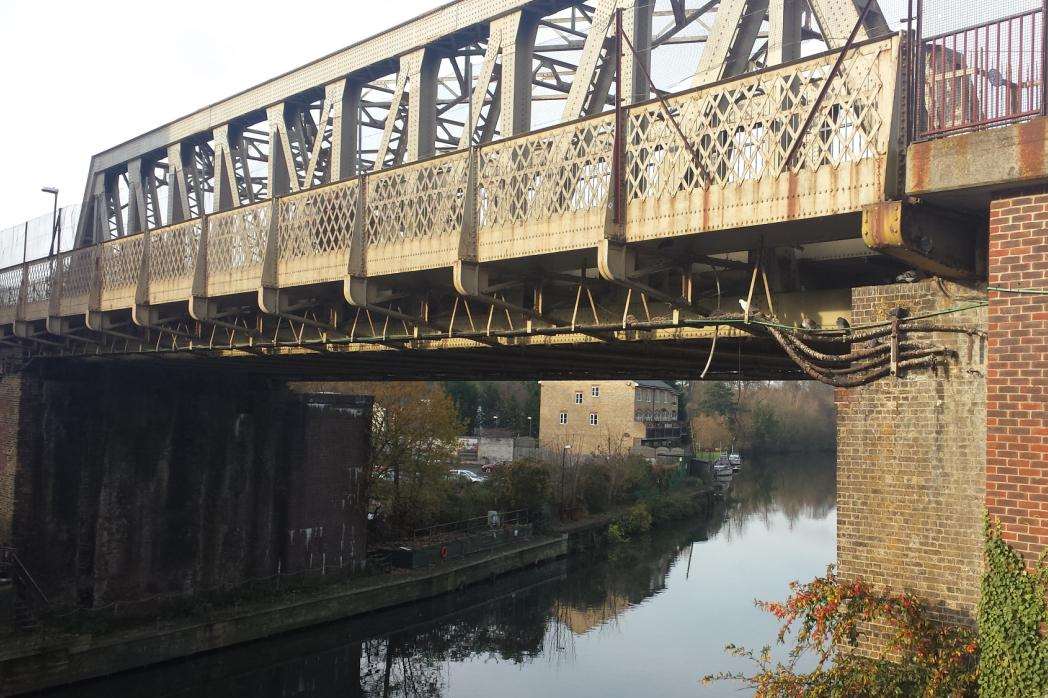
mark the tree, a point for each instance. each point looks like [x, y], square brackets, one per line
[467, 399]
[710, 432]
[414, 440]
[719, 399]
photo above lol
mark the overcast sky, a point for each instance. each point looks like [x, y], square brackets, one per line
[79, 77]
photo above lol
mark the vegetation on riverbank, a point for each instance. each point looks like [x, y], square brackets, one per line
[866, 643]
[766, 417]
[875, 643]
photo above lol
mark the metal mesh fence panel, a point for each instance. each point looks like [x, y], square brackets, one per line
[978, 64]
[33, 239]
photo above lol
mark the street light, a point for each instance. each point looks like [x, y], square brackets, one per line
[53, 191]
[563, 470]
[529, 427]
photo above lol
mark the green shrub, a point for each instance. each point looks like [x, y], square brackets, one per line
[1013, 614]
[616, 534]
[596, 488]
[673, 506]
[524, 485]
[637, 519]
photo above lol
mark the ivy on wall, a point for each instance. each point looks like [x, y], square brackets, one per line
[1013, 622]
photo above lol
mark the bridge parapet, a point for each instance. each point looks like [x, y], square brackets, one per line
[741, 133]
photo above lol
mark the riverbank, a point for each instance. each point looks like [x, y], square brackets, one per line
[52, 656]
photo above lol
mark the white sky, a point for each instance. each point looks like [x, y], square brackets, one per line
[79, 77]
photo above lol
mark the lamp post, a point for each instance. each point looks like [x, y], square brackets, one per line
[53, 191]
[563, 470]
[530, 434]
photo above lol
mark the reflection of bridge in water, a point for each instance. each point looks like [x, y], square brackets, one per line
[271, 229]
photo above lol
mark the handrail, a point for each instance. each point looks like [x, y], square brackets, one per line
[984, 25]
[505, 518]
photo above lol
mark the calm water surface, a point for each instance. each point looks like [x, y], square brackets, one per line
[648, 620]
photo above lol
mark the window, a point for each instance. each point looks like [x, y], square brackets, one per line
[578, 397]
[595, 391]
[563, 417]
[593, 419]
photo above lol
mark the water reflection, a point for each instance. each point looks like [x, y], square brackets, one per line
[649, 619]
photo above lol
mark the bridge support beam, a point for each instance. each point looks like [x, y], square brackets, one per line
[912, 462]
[936, 240]
[117, 487]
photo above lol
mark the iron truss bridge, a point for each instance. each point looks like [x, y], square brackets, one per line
[271, 231]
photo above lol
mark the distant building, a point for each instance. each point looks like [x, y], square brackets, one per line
[592, 416]
[494, 447]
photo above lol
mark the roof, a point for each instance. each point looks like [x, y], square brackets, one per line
[657, 385]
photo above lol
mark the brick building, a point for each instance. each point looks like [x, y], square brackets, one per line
[593, 415]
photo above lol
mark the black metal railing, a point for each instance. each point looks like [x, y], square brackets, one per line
[518, 517]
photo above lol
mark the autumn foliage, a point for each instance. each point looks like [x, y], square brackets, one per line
[828, 620]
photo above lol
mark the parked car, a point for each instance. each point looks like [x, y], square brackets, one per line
[722, 467]
[467, 475]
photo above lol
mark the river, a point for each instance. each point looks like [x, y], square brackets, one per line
[650, 619]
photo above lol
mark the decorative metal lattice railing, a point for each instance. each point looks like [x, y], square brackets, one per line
[79, 271]
[314, 231]
[236, 248]
[739, 134]
[120, 266]
[172, 260]
[10, 292]
[707, 159]
[415, 214]
[545, 191]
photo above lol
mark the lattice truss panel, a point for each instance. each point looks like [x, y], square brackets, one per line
[78, 269]
[10, 287]
[38, 281]
[548, 174]
[315, 228]
[121, 261]
[743, 130]
[236, 248]
[417, 201]
[120, 265]
[172, 260]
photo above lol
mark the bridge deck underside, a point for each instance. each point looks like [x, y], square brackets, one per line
[734, 358]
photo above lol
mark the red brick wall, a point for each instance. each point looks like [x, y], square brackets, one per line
[1017, 380]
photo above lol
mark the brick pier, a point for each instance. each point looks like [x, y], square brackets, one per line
[912, 462]
[1017, 379]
